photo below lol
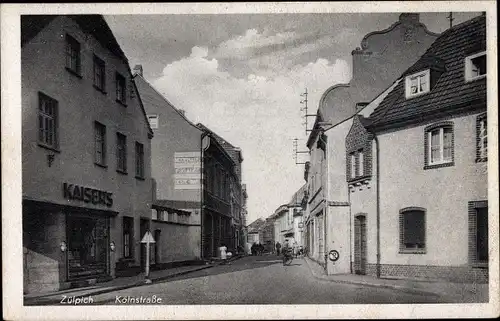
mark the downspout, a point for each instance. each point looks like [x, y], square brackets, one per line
[377, 160]
[327, 190]
[350, 227]
[202, 190]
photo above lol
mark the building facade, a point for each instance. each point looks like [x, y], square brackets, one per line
[417, 167]
[86, 149]
[382, 58]
[176, 169]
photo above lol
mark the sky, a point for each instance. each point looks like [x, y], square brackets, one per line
[242, 75]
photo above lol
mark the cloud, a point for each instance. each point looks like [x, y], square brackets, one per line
[260, 114]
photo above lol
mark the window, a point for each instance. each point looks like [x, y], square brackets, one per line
[439, 143]
[154, 214]
[412, 230]
[482, 138]
[120, 88]
[417, 84]
[121, 153]
[47, 121]
[100, 143]
[99, 74]
[153, 121]
[353, 165]
[171, 216]
[475, 66]
[139, 160]
[73, 59]
[128, 226]
[360, 163]
[356, 166]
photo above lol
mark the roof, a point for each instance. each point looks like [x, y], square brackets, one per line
[224, 143]
[255, 225]
[95, 24]
[297, 197]
[446, 55]
[174, 205]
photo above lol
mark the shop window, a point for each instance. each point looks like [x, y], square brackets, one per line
[121, 90]
[139, 160]
[439, 145]
[121, 153]
[47, 121]
[99, 74]
[100, 144]
[482, 138]
[412, 230]
[417, 84]
[73, 57]
[475, 66]
[128, 232]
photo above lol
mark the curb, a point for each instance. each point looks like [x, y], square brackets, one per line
[116, 288]
[374, 285]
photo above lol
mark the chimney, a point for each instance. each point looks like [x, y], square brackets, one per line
[138, 70]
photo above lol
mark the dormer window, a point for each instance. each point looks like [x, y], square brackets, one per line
[417, 84]
[475, 66]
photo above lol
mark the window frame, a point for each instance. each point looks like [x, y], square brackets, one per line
[360, 170]
[54, 117]
[128, 235]
[468, 67]
[157, 120]
[402, 245]
[121, 84]
[441, 126]
[99, 126]
[139, 160]
[71, 43]
[121, 164]
[99, 64]
[426, 74]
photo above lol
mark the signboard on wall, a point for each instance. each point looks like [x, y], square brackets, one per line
[187, 167]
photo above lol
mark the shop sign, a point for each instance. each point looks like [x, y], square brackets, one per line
[187, 170]
[87, 194]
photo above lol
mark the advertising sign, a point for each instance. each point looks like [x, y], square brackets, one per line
[187, 169]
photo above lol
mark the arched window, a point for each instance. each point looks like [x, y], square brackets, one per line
[412, 230]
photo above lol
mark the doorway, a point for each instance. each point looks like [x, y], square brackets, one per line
[360, 244]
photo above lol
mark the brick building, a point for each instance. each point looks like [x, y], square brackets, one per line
[86, 180]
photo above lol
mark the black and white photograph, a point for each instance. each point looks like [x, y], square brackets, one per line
[250, 160]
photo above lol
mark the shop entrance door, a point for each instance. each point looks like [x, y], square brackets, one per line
[88, 249]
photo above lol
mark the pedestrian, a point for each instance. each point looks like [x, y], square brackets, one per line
[254, 248]
[223, 253]
[278, 248]
[295, 247]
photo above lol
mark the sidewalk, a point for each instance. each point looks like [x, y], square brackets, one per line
[452, 292]
[54, 298]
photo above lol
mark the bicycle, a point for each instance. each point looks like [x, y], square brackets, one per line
[287, 257]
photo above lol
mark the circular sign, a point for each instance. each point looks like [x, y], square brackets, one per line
[301, 225]
[333, 255]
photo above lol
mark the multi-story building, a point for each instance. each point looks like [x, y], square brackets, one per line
[176, 169]
[417, 167]
[288, 220]
[383, 56]
[87, 186]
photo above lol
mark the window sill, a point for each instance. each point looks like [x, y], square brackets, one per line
[360, 179]
[74, 72]
[481, 265]
[475, 78]
[141, 178]
[439, 165]
[481, 159]
[411, 96]
[54, 149]
[101, 165]
[121, 102]
[412, 251]
[104, 92]
[122, 172]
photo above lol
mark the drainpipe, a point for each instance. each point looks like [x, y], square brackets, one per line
[327, 192]
[377, 160]
[350, 228]
[202, 190]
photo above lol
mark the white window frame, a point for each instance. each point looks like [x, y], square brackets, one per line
[353, 165]
[427, 74]
[468, 67]
[361, 163]
[153, 124]
[441, 147]
[483, 137]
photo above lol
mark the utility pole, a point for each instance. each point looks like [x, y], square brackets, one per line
[306, 115]
[450, 17]
[296, 151]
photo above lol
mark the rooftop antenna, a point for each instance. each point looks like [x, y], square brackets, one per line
[306, 115]
[450, 17]
[297, 152]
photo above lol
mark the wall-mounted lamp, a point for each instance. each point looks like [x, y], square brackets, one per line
[50, 159]
[112, 246]
[63, 246]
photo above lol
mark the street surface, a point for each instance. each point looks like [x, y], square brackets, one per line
[260, 280]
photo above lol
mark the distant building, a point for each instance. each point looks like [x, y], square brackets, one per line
[86, 150]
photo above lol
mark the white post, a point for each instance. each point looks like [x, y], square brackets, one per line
[147, 262]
